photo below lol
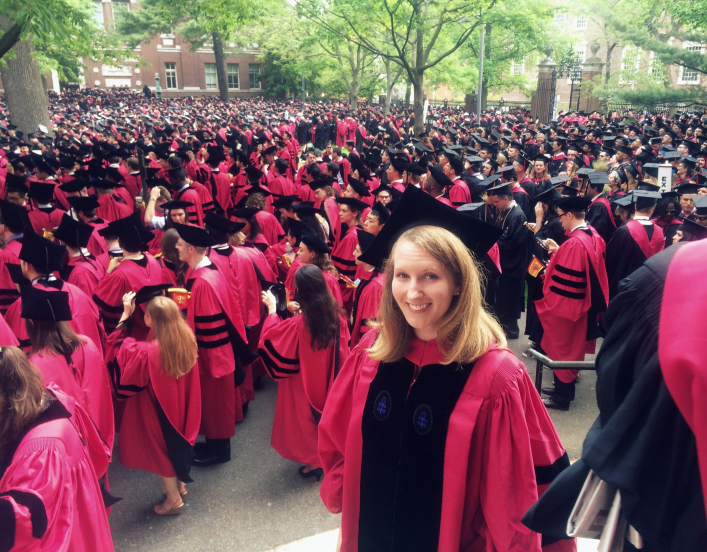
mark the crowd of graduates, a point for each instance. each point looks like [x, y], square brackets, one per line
[161, 257]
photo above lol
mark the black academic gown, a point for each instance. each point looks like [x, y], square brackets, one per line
[599, 218]
[623, 256]
[641, 442]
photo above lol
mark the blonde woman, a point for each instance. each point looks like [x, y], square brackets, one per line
[432, 434]
[159, 382]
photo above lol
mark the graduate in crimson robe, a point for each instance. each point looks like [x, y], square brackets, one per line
[110, 207]
[83, 269]
[80, 373]
[15, 219]
[135, 270]
[7, 337]
[575, 295]
[218, 182]
[181, 190]
[368, 293]
[478, 427]
[162, 402]
[634, 242]
[41, 258]
[303, 366]
[314, 250]
[214, 315]
[50, 498]
[43, 215]
[350, 210]
[650, 438]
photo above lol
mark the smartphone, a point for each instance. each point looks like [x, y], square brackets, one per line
[541, 243]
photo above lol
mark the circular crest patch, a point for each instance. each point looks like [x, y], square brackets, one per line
[382, 406]
[422, 419]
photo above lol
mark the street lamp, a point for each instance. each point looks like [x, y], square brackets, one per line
[158, 90]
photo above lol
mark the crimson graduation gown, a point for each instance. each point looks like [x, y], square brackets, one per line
[365, 308]
[110, 209]
[214, 315]
[162, 413]
[84, 273]
[8, 289]
[47, 218]
[575, 296]
[50, 498]
[422, 456]
[84, 313]
[304, 375]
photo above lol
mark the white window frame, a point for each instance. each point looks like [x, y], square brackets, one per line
[518, 68]
[651, 65]
[560, 18]
[170, 72]
[695, 47]
[624, 67]
[584, 20]
[237, 73]
[210, 76]
[260, 84]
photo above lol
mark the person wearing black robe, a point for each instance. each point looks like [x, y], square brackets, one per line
[635, 241]
[599, 214]
[644, 441]
[513, 247]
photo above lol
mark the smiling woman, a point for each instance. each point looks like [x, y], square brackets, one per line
[433, 437]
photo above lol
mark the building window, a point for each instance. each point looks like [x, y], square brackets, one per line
[232, 76]
[98, 13]
[254, 73]
[630, 61]
[580, 53]
[170, 70]
[560, 18]
[690, 76]
[657, 70]
[211, 78]
[119, 8]
[518, 68]
[581, 23]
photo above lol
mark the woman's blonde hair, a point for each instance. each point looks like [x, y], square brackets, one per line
[21, 394]
[176, 340]
[467, 330]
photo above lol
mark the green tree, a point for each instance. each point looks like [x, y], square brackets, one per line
[198, 22]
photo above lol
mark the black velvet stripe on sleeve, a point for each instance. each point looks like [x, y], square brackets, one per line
[8, 524]
[343, 261]
[568, 283]
[570, 272]
[211, 331]
[209, 318]
[568, 294]
[120, 390]
[274, 369]
[213, 344]
[37, 511]
[547, 474]
[283, 360]
[118, 309]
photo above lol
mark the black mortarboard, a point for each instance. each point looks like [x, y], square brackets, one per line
[382, 212]
[243, 212]
[645, 199]
[193, 235]
[548, 196]
[318, 183]
[306, 208]
[295, 228]
[555, 180]
[418, 208]
[575, 203]
[14, 216]
[414, 168]
[671, 155]
[14, 183]
[687, 188]
[270, 151]
[84, 203]
[253, 172]
[75, 185]
[700, 204]
[353, 203]
[364, 239]
[41, 191]
[176, 204]
[222, 224]
[693, 228]
[399, 164]
[597, 177]
[585, 171]
[285, 201]
[437, 174]
[486, 182]
[39, 304]
[145, 293]
[689, 162]
[648, 186]
[45, 255]
[359, 187]
[16, 275]
[73, 232]
[177, 174]
[314, 242]
[503, 189]
[131, 231]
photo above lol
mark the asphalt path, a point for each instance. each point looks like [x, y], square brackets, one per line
[257, 501]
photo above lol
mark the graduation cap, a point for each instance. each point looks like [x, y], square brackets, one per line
[41, 191]
[474, 159]
[73, 232]
[84, 203]
[585, 171]
[645, 199]
[270, 151]
[14, 183]
[146, 293]
[693, 228]
[549, 196]
[253, 173]
[381, 211]
[687, 188]
[364, 239]
[573, 203]
[176, 204]
[418, 208]
[304, 209]
[39, 304]
[503, 189]
[255, 188]
[648, 186]
[314, 242]
[437, 174]
[177, 174]
[689, 162]
[295, 228]
[244, 212]
[45, 255]
[318, 183]
[413, 168]
[220, 227]
[131, 231]
[193, 235]
[16, 275]
[486, 182]
[671, 155]
[14, 216]
[700, 205]
[597, 177]
[399, 164]
[285, 202]
[353, 203]
[359, 187]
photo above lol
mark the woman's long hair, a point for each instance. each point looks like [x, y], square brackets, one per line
[44, 336]
[319, 308]
[467, 330]
[21, 393]
[177, 342]
[324, 263]
[171, 255]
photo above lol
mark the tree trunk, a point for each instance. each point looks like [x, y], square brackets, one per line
[419, 104]
[406, 99]
[609, 50]
[220, 67]
[26, 97]
[353, 98]
[487, 56]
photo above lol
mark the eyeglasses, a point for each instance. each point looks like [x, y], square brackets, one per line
[700, 217]
[563, 214]
[671, 211]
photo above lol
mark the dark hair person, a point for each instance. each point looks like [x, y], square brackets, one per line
[303, 354]
[161, 391]
[51, 458]
[432, 432]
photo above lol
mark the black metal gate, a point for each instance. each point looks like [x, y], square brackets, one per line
[570, 67]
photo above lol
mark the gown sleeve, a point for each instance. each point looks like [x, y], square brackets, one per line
[97, 392]
[279, 346]
[334, 425]
[119, 361]
[566, 292]
[133, 360]
[108, 296]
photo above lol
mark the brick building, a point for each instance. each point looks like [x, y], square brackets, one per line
[181, 71]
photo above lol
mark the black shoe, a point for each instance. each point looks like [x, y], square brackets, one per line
[245, 409]
[204, 460]
[316, 472]
[548, 391]
[258, 383]
[550, 403]
[200, 449]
